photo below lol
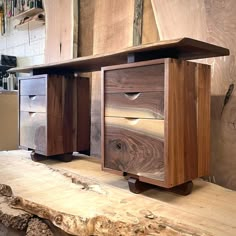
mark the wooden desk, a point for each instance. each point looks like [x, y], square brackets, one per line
[155, 112]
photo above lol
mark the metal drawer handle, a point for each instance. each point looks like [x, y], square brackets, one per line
[132, 121]
[132, 96]
[32, 97]
[32, 114]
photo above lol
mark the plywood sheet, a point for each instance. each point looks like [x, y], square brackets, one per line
[214, 22]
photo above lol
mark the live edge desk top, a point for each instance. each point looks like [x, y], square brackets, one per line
[183, 48]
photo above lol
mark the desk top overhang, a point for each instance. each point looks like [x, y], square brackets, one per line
[183, 48]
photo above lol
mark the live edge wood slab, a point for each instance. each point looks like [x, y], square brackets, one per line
[183, 48]
[67, 195]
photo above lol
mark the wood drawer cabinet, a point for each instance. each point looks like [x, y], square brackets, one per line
[53, 118]
[156, 121]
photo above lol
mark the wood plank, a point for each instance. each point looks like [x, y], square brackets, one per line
[184, 48]
[138, 22]
[83, 116]
[184, 116]
[140, 105]
[149, 30]
[86, 22]
[50, 191]
[61, 30]
[214, 22]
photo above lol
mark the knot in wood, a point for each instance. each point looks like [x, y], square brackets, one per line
[5, 190]
[15, 201]
[58, 219]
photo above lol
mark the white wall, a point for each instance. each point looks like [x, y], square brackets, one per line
[27, 46]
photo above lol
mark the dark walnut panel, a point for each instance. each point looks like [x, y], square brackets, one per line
[33, 131]
[35, 86]
[137, 79]
[134, 147]
[137, 105]
[36, 103]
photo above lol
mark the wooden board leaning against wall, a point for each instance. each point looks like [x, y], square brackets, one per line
[61, 41]
[213, 21]
[110, 25]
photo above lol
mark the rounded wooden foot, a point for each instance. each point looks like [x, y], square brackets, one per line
[135, 186]
[67, 157]
[183, 189]
[36, 157]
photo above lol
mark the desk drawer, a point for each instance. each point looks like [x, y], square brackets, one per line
[33, 130]
[136, 105]
[136, 79]
[33, 103]
[33, 86]
[134, 146]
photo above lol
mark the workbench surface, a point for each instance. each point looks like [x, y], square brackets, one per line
[86, 198]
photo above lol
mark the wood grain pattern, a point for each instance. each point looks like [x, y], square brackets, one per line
[183, 48]
[141, 105]
[83, 114]
[188, 126]
[133, 146]
[61, 30]
[203, 89]
[214, 22]
[65, 114]
[149, 30]
[138, 79]
[33, 103]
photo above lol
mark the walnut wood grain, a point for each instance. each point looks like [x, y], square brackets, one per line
[188, 102]
[131, 146]
[83, 114]
[141, 105]
[203, 90]
[138, 79]
[60, 119]
[64, 125]
[36, 103]
[184, 48]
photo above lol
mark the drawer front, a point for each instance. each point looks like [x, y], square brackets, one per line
[33, 130]
[34, 103]
[33, 86]
[137, 79]
[137, 105]
[135, 146]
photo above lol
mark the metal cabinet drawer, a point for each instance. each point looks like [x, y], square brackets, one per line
[33, 86]
[33, 130]
[33, 103]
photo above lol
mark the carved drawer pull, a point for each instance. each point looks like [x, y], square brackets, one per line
[132, 96]
[132, 121]
[32, 97]
[32, 114]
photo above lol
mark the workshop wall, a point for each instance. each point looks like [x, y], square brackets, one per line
[27, 45]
